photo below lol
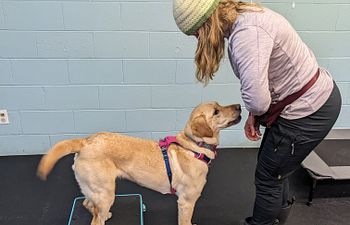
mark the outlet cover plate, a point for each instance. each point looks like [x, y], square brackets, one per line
[4, 117]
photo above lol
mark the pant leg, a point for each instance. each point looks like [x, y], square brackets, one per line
[285, 192]
[285, 187]
[286, 145]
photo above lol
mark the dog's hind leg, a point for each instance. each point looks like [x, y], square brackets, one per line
[97, 183]
[90, 207]
[102, 205]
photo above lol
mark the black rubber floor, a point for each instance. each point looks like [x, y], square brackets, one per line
[323, 212]
[227, 197]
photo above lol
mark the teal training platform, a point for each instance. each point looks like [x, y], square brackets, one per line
[127, 210]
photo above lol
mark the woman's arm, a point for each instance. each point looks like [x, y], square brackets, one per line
[250, 51]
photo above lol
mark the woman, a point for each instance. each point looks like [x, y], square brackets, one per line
[282, 87]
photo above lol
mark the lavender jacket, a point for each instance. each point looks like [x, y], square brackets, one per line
[272, 62]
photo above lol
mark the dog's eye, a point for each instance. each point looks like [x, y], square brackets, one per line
[216, 111]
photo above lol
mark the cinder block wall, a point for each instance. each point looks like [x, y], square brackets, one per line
[69, 68]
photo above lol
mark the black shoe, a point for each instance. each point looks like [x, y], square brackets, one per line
[246, 221]
[284, 213]
[276, 222]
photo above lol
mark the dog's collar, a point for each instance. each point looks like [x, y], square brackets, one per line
[202, 144]
[207, 146]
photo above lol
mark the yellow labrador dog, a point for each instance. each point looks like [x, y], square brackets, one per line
[103, 157]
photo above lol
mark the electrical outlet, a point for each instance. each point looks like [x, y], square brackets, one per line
[4, 117]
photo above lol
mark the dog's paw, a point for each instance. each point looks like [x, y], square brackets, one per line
[211, 156]
[109, 215]
[86, 203]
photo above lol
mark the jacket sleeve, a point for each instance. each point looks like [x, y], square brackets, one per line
[250, 50]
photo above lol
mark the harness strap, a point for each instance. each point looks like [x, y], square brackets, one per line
[164, 144]
[203, 157]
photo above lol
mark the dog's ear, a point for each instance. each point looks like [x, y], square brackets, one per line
[200, 127]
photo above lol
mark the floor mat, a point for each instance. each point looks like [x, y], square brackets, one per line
[339, 154]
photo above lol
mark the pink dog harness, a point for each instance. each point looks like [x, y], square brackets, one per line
[167, 141]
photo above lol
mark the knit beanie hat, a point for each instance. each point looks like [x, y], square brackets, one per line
[190, 15]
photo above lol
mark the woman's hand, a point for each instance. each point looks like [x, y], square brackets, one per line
[252, 128]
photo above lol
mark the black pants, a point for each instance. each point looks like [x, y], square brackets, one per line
[284, 146]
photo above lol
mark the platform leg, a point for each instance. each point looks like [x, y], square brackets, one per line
[313, 184]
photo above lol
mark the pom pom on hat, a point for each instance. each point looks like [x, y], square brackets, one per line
[190, 15]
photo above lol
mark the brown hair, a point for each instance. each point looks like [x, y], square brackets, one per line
[211, 37]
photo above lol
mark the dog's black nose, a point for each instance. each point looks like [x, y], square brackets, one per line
[238, 107]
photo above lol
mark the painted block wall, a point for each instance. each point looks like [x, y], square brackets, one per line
[69, 68]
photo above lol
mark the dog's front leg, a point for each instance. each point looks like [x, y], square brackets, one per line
[185, 205]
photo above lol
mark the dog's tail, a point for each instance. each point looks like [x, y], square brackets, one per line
[58, 151]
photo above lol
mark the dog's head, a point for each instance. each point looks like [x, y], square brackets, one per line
[208, 119]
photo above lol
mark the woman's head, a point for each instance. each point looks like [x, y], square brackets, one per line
[210, 21]
[191, 14]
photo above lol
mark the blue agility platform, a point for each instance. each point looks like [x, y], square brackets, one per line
[127, 209]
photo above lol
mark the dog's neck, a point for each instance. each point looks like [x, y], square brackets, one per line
[214, 140]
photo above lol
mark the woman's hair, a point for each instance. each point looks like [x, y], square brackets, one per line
[211, 37]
